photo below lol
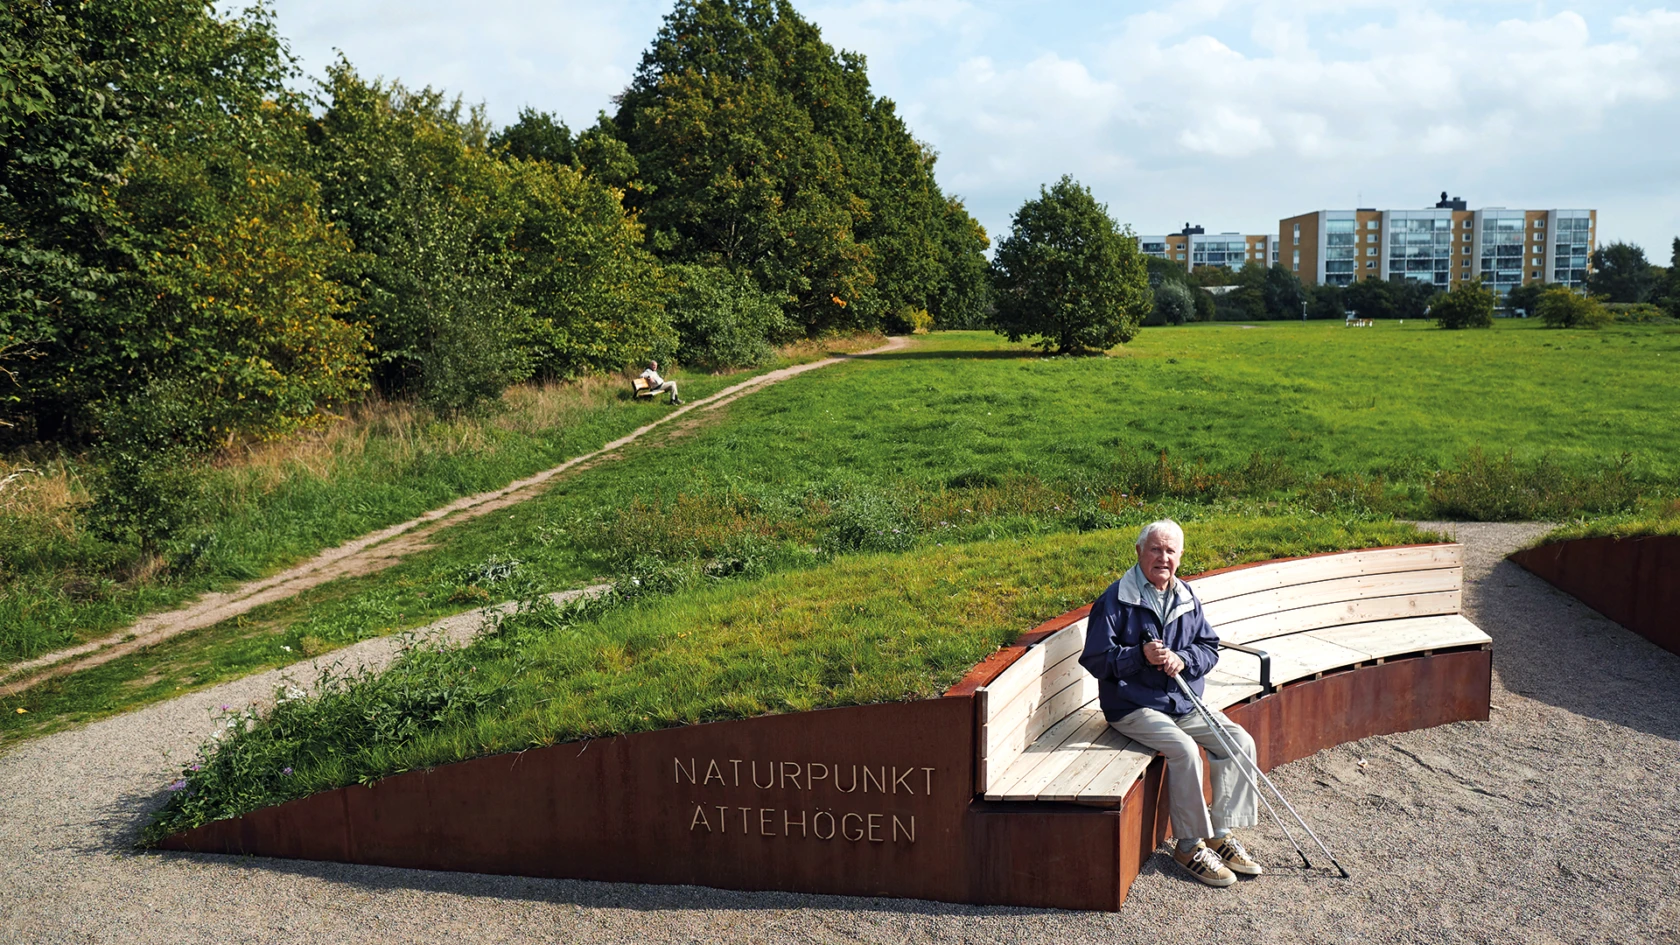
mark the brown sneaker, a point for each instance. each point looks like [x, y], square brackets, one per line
[1236, 858]
[1205, 865]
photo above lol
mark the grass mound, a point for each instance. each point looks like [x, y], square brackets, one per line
[865, 629]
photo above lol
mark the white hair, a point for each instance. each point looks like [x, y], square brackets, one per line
[1162, 525]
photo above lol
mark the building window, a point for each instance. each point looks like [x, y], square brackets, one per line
[1539, 224]
[1371, 224]
[1297, 259]
[1535, 274]
[1370, 265]
[1467, 237]
[1297, 232]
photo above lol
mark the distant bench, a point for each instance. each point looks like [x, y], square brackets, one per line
[1042, 737]
[640, 387]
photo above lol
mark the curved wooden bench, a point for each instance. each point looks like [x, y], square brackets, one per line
[1043, 738]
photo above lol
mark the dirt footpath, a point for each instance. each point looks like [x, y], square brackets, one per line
[367, 554]
[1558, 821]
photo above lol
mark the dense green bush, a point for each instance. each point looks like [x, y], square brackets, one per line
[721, 318]
[1469, 304]
[1561, 307]
[1174, 305]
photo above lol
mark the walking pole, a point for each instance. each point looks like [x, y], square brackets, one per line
[1244, 763]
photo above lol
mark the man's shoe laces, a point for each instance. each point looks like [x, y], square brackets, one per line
[1209, 860]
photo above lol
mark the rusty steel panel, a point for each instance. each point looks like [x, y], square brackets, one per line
[1633, 581]
[1047, 855]
[866, 800]
[1397, 696]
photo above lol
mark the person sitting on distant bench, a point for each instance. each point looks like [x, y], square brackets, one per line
[659, 385]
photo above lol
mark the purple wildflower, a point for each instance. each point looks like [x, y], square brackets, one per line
[286, 770]
[178, 785]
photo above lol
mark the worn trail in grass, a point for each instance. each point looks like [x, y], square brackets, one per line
[267, 506]
[364, 555]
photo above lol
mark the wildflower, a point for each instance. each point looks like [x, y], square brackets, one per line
[224, 708]
[195, 767]
[22, 711]
[285, 647]
[178, 785]
[286, 770]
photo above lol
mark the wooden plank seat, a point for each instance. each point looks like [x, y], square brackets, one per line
[1042, 737]
[640, 387]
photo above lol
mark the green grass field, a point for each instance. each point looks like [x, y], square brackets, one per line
[272, 505]
[966, 438]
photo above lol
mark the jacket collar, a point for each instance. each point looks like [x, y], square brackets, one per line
[1130, 590]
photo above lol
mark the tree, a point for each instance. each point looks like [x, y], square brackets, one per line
[537, 136]
[1469, 304]
[1283, 293]
[1670, 294]
[1524, 298]
[1325, 301]
[1621, 273]
[1413, 298]
[721, 317]
[1371, 298]
[1174, 305]
[1561, 307]
[1068, 275]
[765, 151]
[1247, 302]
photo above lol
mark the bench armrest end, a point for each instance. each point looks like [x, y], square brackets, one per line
[1265, 662]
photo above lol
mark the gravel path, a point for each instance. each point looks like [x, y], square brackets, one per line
[1555, 822]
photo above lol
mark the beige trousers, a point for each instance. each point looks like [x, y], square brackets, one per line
[1235, 802]
[669, 387]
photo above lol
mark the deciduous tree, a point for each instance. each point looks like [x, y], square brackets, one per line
[1068, 275]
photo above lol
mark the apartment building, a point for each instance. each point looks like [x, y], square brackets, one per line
[1441, 245]
[1193, 246]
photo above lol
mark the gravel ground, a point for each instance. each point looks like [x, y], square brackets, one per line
[1555, 822]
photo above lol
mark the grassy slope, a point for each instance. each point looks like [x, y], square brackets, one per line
[868, 628]
[281, 503]
[876, 442]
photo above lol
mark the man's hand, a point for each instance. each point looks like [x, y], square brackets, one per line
[1162, 658]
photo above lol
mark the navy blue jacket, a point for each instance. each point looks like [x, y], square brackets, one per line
[1114, 641]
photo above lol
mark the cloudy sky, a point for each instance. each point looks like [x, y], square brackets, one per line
[1225, 114]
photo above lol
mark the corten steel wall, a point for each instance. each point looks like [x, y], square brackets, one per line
[1633, 581]
[785, 803]
[867, 800]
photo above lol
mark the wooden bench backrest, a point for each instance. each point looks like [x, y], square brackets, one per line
[1244, 604]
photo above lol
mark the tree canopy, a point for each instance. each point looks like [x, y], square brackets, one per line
[1621, 273]
[1469, 304]
[1067, 274]
[762, 150]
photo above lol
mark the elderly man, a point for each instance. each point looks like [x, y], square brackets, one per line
[658, 385]
[1141, 701]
